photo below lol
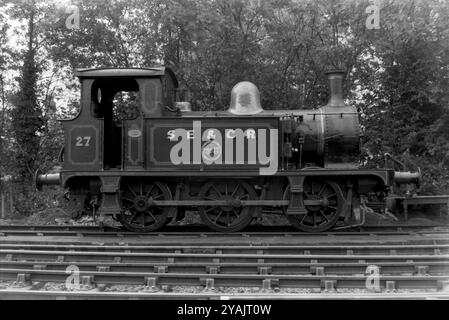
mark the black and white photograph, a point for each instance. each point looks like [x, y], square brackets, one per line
[224, 155]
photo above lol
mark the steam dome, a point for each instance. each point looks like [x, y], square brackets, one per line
[245, 99]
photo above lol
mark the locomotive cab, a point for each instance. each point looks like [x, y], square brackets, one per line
[107, 133]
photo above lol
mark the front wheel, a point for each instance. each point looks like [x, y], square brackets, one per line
[318, 218]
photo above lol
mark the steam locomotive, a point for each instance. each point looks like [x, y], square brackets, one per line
[148, 167]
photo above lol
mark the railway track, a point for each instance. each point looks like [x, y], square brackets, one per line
[157, 266]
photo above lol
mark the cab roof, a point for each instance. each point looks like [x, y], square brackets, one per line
[122, 72]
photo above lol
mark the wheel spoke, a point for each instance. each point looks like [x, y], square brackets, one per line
[235, 190]
[152, 216]
[303, 218]
[210, 209]
[149, 191]
[130, 188]
[216, 190]
[133, 217]
[322, 213]
[218, 216]
[322, 189]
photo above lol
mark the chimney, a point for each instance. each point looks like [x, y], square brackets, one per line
[336, 87]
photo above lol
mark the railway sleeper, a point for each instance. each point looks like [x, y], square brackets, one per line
[151, 284]
[443, 285]
[103, 268]
[213, 269]
[39, 267]
[160, 269]
[264, 270]
[87, 280]
[319, 271]
[270, 284]
[328, 286]
[390, 286]
[23, 279]
[208, 283]
[422, 270]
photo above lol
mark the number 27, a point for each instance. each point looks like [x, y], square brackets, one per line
[82, 141]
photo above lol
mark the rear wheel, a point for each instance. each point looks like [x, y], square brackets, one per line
[139, 214]
[318, 218]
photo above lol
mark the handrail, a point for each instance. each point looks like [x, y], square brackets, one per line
[387, 155]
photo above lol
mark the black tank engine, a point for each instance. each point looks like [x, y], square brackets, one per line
[135, 151]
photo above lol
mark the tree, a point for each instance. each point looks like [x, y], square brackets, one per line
[406, 110]
[26, 115]
[4, 59]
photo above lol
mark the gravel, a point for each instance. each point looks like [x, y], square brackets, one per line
[54, 286]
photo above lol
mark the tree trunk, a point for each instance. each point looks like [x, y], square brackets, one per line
[2, 208]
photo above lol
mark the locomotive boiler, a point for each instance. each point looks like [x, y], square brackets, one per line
[138, 154]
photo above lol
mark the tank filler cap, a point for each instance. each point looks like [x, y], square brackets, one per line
[245, 99]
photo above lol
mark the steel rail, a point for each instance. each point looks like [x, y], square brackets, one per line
[330, 268]
[242, 241]
[20, 294]
[200, 227]
[347, 249]
[120, 233]
[78, 256]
